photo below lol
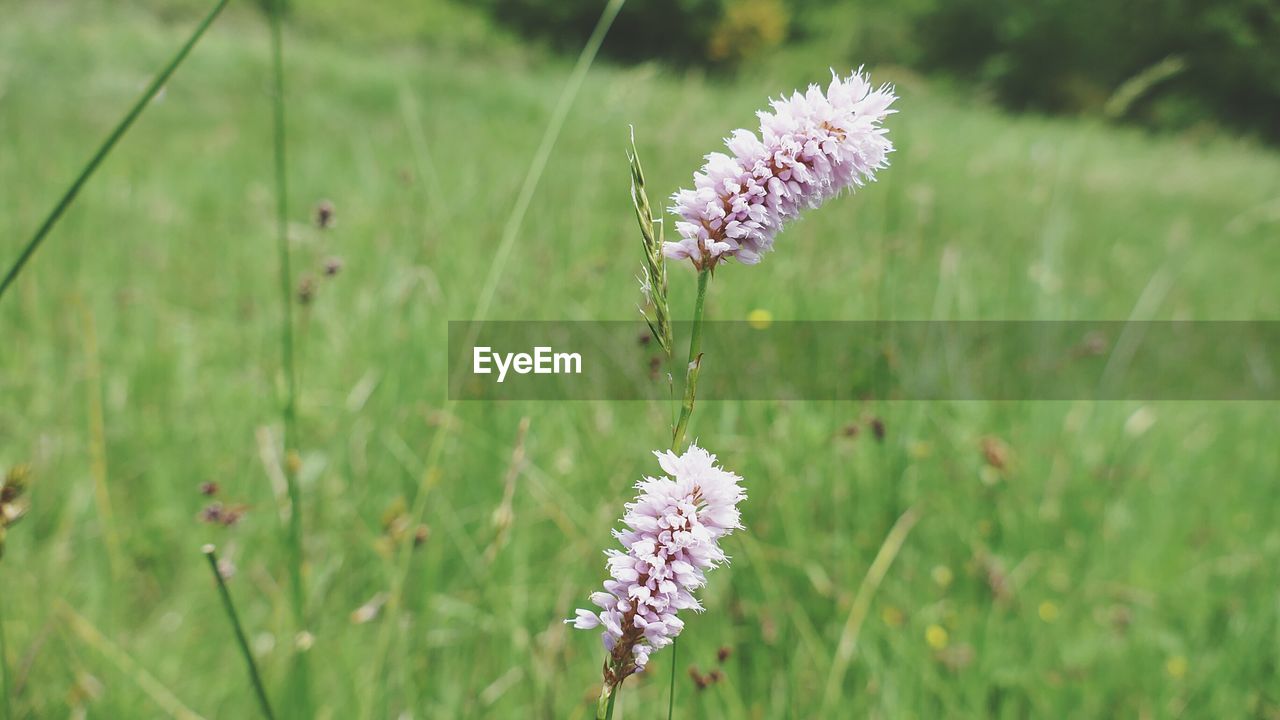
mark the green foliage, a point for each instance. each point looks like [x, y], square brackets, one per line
[1114, 567]
[1070, 55]
[680, 31]
[747, 29]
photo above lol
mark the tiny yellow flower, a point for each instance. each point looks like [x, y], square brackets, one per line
[936, 636]
[892, 616]
[760, 318]
[989, 476]
[942, 575]
[1048, 611]
[1176, 666]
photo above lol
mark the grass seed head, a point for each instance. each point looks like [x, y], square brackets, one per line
[324, 214]
[653, 271]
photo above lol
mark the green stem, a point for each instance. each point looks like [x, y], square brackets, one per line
[290, 409]
[211, 553]
[604, 708]
[677, 440]
[4, 668]
[299, 681]
[695, 363]
[671, 688]
[107, 145]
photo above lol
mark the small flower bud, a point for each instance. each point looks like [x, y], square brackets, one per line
[324, 215]
[877, 429]
[306, 290]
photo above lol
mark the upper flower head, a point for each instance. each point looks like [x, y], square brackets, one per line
[811, 147]
[671, 537]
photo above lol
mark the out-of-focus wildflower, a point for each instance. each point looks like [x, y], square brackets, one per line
[324, 214]
[936, 636]
[747, 29]
[216, 513]
[671, 539]
[12, 503]
[702, 682]
[892, 616]
[878, 429]
[370, 610]
[1048, 611]
[760, 319]
[811, 147]
[942, 575]
[306, 290]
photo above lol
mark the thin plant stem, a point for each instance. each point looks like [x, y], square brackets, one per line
[497, 266]
[162, 696]
[608, 696]
[211, 554]
[7, 707]
[98, 445]
[290, 409]
[141, 104]
[695, 363]
[876, 573]
[682, 425]
[671, 690]
[299, 677]
[677, 441]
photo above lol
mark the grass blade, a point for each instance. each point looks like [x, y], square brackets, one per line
[211, 553]
[5, 686]
[862, 603]
[299, 676]
[70, 195]
[98, 444]
[290, 409]
[154, 689]
[512, 229]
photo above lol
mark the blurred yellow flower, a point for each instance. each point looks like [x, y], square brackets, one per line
[1176, 666]
[892, 616]
[936, 636]
[942, 575]
[760, 318]
[1048, 611]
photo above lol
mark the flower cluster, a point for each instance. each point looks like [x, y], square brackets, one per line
[811, 147]
[13, 485]
[671, 539]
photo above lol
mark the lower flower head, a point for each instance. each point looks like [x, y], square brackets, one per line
[670, 539]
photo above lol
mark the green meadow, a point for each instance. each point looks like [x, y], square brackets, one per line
[1050, 559]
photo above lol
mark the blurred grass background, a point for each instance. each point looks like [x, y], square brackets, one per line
[1070, 559]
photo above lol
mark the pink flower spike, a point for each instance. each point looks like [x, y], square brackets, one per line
[811, 148]
[671, 535]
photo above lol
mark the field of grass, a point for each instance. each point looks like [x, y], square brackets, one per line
[1124, 563]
